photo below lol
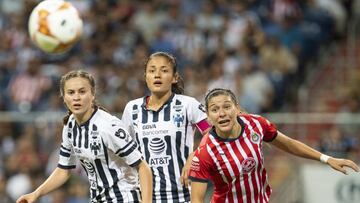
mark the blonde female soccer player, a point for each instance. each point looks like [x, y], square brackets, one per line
[104, 147]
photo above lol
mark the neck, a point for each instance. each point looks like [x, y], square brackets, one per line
[233, 133]
[80, 119]
[158, 100]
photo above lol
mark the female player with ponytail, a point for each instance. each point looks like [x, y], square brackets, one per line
[104, 148]
[163, 124]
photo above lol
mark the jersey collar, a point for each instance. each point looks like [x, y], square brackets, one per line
[88, 121]
[146, 98]
[213, 132]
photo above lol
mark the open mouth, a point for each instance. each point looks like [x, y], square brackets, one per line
[77, 106]
[157, 83]
[222, 122]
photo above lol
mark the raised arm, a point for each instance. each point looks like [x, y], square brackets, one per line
[55, 180]
[146, 183]
[300, 149]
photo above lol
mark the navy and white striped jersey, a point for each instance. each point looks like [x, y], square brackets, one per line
[166, 139]
[107, 153]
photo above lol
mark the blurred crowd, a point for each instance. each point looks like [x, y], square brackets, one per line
[258, 48]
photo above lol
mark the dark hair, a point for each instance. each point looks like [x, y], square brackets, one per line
[80, 74]
[220, 91]
[178, 87]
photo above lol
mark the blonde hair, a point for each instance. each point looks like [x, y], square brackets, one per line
[80, 74]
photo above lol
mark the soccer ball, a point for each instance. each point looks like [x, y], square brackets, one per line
[55, 26]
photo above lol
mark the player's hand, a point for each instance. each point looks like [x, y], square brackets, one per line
[341, 164]
[28, 198]
[185, 173]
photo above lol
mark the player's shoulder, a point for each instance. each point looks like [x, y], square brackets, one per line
[70, 123]
[185, 98]
[189, 102]
[138, 101]
[250, 116]
[104, 115]
[255, 117]
[205, 141]
[106, 119]
[135, 102]
[202, 153]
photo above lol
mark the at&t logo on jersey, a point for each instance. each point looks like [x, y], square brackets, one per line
[158, 157]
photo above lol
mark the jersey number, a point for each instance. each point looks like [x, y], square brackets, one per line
[122, 134]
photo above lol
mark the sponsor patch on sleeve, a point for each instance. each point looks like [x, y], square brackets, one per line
[195, 164]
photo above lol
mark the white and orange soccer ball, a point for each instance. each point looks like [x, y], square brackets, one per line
[55, 26]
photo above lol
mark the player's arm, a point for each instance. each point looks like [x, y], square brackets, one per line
[203, 127]
[300, 149]
[198, 190]
[146, 183]
[55, 180]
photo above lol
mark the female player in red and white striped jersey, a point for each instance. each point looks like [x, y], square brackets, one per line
[231, 154]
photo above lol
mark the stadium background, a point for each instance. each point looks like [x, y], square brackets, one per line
[295, 62]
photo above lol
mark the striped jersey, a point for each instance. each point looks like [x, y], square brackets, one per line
[236, 166]
[166, 139]
[107, 153]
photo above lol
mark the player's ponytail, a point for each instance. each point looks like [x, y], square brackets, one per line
[66, 118]
[178, 87]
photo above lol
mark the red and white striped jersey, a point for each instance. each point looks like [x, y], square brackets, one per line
[236, 166]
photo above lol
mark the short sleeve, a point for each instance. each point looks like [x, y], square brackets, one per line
[67, 159]
[118, 140]
[126, 117]
[196, 111]
[269, 129]
[200, 170]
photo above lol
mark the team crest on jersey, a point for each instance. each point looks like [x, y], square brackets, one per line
[248, 164]
[178, 119]
[95, 145]
[157, 148]
[255, 138]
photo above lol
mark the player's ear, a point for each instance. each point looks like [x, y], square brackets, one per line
[175, 78]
